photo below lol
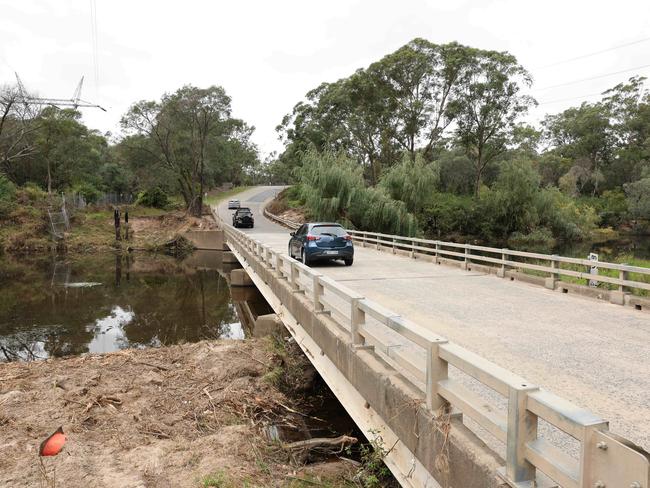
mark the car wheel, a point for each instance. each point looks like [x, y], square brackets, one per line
[304, 258]
[348, 261]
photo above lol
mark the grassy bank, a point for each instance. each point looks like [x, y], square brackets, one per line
[25, 228]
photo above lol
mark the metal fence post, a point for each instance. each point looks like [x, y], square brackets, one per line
[357, 319]
[435, 255]
[501, 272]
[465, 264]
[412, 249]
[364, 237]
[522, 429]
[437, 370]
[278, 265]
[318, 291]
[623, 276]
[552, 279]
[377, 237]
[393, 245]
[293, 278]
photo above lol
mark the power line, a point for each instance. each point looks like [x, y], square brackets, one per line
[595, 53]
[548, 102]
[94, 43]
[605, 75]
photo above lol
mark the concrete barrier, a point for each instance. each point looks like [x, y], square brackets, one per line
[207, 239]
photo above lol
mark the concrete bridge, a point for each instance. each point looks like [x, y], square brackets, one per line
[433, 358]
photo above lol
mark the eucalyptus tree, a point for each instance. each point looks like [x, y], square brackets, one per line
[488, 104]
[186, 132]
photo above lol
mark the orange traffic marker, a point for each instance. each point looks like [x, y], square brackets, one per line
[53, 444]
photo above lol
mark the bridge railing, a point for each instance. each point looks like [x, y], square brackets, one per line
[604, 460]
[547, 265]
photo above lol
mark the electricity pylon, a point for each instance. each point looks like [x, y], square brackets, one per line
[74, 102]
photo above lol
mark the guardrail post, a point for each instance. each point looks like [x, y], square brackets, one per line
[377, 237]
[552, 279]
[364, 236]
[465, 264]
[269, 260]
[278, 266]
[393, 245]
[412, 249]
[357, 319]
[437, 370]
[318, 291]
[522, 428]
[293, 277]
[501, 272]
[435, 255]
[618, 296]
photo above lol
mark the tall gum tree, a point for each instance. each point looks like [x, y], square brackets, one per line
[184, 132]
[487, 106]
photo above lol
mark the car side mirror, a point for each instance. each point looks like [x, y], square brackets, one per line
[292, 234]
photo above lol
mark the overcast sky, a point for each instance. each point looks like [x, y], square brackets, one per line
[268, 54]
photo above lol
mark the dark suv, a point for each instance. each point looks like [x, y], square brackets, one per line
[243, 217]
[321, 241]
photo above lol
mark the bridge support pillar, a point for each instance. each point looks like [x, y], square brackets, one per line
[229, 257]
[239, 277]
[266, 325]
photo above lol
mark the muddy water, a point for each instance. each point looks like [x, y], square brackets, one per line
[58, 306]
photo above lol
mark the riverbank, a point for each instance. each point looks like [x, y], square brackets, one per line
[184, 416]
[26, 228]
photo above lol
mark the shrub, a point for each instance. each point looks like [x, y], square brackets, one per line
[89, 192]
[33, 191]
[153, 197]
[7, 196]
[446, 213]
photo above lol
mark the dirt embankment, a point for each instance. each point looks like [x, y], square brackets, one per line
[27, 229]
[181, 416]
[288, 208]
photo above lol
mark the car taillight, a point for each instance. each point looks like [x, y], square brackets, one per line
[312, 238]
[347, 238]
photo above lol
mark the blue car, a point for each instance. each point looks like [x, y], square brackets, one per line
[321, 241]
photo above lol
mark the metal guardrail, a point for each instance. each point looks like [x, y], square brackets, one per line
[503, 258]
[606, 460]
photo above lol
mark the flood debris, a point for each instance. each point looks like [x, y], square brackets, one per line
[174, 416]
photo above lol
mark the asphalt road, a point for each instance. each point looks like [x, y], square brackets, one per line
[593, 353]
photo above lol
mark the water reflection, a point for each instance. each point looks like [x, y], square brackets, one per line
[63, 306]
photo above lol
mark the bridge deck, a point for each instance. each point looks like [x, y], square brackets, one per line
[594, 353]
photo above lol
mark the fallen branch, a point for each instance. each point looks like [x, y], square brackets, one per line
[322, 443]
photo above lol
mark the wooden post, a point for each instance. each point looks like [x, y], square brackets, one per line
[116, 217]
[437, 370]
[412, 249]
[522, 429]
[435, 254]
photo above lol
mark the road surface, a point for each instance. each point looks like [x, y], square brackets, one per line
[593, 353]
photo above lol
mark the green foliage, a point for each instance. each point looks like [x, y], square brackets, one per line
[638, 198]
[445, 214]
[153, 197]
[374, 473]
[7, 196]
[411, 181]
[333, 189]
[89, 192]
[33, 192]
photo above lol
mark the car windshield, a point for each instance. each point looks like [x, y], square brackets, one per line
[328, 230]
[245, 212]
